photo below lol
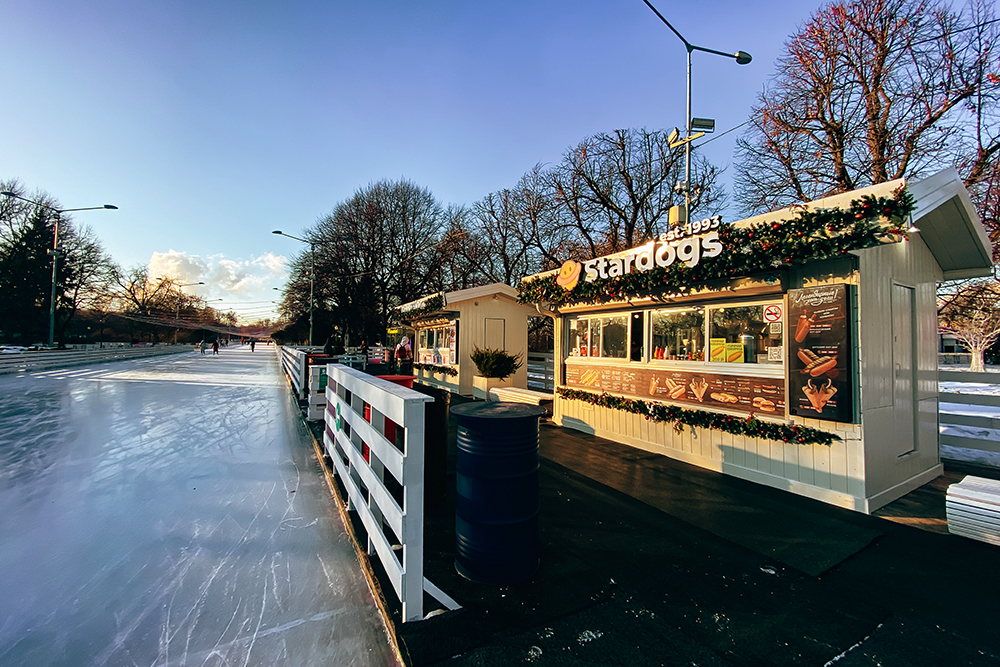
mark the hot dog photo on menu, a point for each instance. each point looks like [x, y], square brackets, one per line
[821, 381]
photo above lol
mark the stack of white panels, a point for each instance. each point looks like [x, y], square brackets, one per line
[973, 509]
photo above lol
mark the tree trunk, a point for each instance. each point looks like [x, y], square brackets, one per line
[977, 365]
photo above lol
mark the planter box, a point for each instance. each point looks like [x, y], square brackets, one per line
[481, 386]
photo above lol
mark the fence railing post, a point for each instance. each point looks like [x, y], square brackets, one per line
[365, 452]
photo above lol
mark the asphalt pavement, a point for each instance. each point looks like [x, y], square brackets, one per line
[649, 561]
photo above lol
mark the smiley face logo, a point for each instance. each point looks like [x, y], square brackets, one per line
[569, 274]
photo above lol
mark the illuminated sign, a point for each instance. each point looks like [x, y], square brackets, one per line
[688, 244]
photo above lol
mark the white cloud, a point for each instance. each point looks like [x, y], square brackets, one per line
[243, 286]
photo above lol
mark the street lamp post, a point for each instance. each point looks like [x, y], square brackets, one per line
[741, 57]
[312, 278]
[177, 312]
[55, 251]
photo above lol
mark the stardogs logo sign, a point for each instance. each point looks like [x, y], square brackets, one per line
[688, 244]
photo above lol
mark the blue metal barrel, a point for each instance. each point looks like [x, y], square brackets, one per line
[496, 499]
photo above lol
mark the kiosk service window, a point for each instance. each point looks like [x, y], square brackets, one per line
[738, 333]
[439, 344]
[726, 356]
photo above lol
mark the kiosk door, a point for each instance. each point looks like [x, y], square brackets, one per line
[903, 365]
[494, 338]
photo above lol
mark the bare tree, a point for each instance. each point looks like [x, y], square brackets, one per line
[376, 250]
[868, 91]
[615, 190]
[460, 256]
[504, 240]
[972, 315]
[86, 276]
[143, 300]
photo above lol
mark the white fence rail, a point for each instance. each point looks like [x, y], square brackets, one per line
[969, 411]
[375, 436]
[295, 364]
[541, 371]
[35, 361]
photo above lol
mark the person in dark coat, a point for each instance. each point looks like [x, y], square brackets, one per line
[328, 348]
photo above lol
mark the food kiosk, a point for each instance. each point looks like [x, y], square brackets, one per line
[450, 325]
[796, 349]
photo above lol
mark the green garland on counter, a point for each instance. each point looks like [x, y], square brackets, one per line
[763, 247]
[434, 368]
[661, 412]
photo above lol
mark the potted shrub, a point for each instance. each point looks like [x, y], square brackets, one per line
[496, 368]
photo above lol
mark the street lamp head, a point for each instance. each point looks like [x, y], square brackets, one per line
[742, 58]
[7, 194]
[277, 231]
[111, 206]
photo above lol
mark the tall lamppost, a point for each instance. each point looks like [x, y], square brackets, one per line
[55, 251]
[741, 57]
[177, 312]
[312, 278]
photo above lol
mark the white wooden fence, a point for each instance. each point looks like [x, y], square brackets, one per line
[969, 413]
[295, 363]
[35, 361]
[541, 371]
[375, 436]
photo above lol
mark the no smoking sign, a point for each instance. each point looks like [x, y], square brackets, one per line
[772, 313]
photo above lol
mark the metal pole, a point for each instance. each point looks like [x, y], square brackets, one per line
[742, 58]
[52, 301]
[312, 286]
[687, 144]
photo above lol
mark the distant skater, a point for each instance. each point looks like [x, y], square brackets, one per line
[215, 347]
[202, 346]
[252, 343]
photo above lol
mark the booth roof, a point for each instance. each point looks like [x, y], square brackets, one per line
[950, 226]
[473, 293]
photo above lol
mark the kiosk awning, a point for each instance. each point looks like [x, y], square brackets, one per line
[950, 226]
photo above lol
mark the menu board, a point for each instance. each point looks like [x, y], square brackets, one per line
[820, 381]
[695, 388]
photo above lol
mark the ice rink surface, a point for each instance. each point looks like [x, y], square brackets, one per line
[170, 511]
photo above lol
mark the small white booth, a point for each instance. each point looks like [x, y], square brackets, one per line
[796, 349]
[449, 325]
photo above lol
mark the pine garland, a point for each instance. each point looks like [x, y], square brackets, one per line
[434, 368]
[810, 236]
[662, 412]
[433, 304]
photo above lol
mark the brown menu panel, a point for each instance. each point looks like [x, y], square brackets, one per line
[693, 388]
[821, 384]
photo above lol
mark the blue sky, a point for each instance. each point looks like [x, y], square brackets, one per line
[211, 123]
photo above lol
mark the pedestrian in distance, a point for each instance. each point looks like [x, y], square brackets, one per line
[328, 348]
[202, 346]
[215, 346]
[252, 343]
[403, 357]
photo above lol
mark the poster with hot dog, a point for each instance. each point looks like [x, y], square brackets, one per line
[820, 378]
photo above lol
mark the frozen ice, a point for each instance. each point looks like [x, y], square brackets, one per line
[170, 511]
